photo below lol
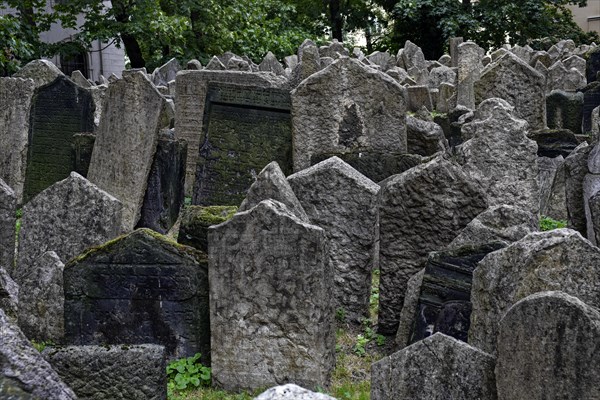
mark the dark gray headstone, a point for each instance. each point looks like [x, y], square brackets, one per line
[591, 100]
[195, 221]
[139, 288]
[554, 142]
[83, 145]
[576, 168]
[564, 110]
[58, 111]
[593, 65]
[245, 128]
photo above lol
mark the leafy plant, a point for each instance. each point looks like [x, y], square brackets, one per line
[548, 224]
[187, 373]
[40, 346]
[360, 347]
[340, 314]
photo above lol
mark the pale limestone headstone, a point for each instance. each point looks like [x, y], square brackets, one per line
[271, 64]
[271, 312]
[126, 142]
[42, 72]
[561, 78]
[166, 73]
[469, 71]
[347, 107]
[78, 78]
[343, 202]
[214, 64]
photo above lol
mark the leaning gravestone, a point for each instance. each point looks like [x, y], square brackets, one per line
[576, 168]
[279, 324]
[591, 100]
[555, 260]
[8, 219]
[548, 349]
[500, 157]
[511, 79]
[15, 103]
[9, 295]
[58, 111]
[468, 58]
[437, 368]
[439, 185]
[195, 221]
[564, 110]
[245, 128]
[347, 108]
[189, 107]
[126, 142]
[342, 201]
[161, 286]
[43, 72]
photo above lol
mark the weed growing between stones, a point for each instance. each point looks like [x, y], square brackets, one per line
[187, 373]
[548, 224]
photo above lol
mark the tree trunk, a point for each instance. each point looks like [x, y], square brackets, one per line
[132, 46]
[335, 17]
[369, 39]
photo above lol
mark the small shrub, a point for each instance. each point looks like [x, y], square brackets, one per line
[340, 314]
[548, 224]
[187, 373]
[360, 348]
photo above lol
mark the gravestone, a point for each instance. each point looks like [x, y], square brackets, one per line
[500, 157]
[560, 259]
[593, 65]
[511, 79]
[194, 65]
[548, 348]
[271, 64]
[9, 295]
[126, 141]
[43, 72]
[83, 147]
[112, 372]
[439, 185]
[454, 42]
[291, 392]
[441, 75]
[309, 62]
[78, 78]
[15, 103]
[548, 168]
[559, 77]
[591, 100]
[564, 110]
[195, 221]
[214, 64]
[437, 368]
[415, 63]
[343, 202]
[556, 206]
[424, 138]
[245, 128]
[418, 97]
[165, 191]
[23, 365]
[591, 186]
[58, 111]
[161, 286]
[576, 167]
[189, 107]
[8, 219]
[469, 65]
[279, 325]
[167, 72]
[347, 107]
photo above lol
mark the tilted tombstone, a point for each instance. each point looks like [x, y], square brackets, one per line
[343, 202]
[83, 147]
[404, 245]
[9, 295]
[115, 372]
[195, 221]
[415, 63]
[79, 79]
[194, 65]
[441, 75]
[8, 220]
[279, 325]
[166, 72]
[58, 111]
[335, 50]
[126, 142]
[383, 59]
[290, 391]
[42, 72]
[524, 53]
[548, 348]
[576, 168]
[561, 78]
[418, 97]
[547, 168]
[469, 57]
[560, 259]
[593, 65]
[214, 64]
[542, 57]
[424, 138]
[564, 110]
[165, 196]
[436, 368]
[347, 108]
[499, 155]
[556, 206]
[245, 128]
[15, 103]
[453, 48]
[271, 64]
[595, 128]
[161, 286]
[190, 103]
[591, 100]
[23, 365]
[576, 62]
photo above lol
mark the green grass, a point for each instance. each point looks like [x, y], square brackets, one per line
[548, 224]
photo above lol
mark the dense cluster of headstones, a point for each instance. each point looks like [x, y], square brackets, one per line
[433, 172]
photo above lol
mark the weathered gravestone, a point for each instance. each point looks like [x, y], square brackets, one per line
[500, 157]
[8, 219]
[562, 78]
[576, 168]
[43, 72]
[511, 79]
[112, 372]
[245, 128]
[549, 348]
[437, 368]
[548, 167]
[279, 325]
[291, 392]
[593, 65]
[424, 138]
[347, 108]
[140, 288]
[591, 100]
[66, 218]
[83, 146]
[564, 110]
[9, 295]
[468, 58]
[556, 205]
[195, 221]
[343, 202]
[126, 142]
[58, 111]
[439, 298]
[554, 260]
[165, 191]
[553, 143]
[189, 107]
[22, 365]
[439, 185]
[15, 103]
[166, 72]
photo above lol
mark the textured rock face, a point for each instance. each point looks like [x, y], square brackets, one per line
[436, 368]
[271, 183]
[189, 106]
[548, 349]
[424, 138]
[439, 185]
[41, 71]
[126, 142]
[556, 206]
[500, 156]
[343, 202]
[291, 392]
[547, 169]
[511, 79]
[23, 365]
[564, 110]
[15, 102]
[271, 64]
[279, 324]
[555, 260]
[111, 372]
[161, 287]
[591, 187]
[347, 107]
[562, 78]
[553, 143]
[591, 100]
[498, 223]
[576, 168]
[8, 208]
[195, 220]
[469, 57]
[9, 294]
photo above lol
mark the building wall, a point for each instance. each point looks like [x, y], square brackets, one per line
[588, 18]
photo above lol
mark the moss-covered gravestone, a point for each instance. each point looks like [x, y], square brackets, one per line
[195, 221]
[139, 288]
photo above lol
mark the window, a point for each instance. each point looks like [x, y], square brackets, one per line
[70, 63]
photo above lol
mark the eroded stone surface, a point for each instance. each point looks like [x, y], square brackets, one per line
[8, 219]
[291, 392]
[576, 168]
